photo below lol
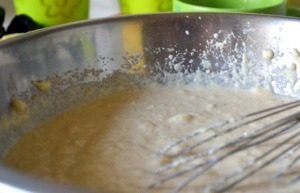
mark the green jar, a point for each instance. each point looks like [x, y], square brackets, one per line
[293, 8]
[277, 7]
[145, 6]
[53, 12]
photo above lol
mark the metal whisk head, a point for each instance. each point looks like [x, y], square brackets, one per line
[273, 134]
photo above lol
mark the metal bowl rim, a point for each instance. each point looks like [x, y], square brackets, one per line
[49, 30]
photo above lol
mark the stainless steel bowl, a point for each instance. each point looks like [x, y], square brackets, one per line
[213, 47]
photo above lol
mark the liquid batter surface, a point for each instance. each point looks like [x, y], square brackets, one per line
[110, 144]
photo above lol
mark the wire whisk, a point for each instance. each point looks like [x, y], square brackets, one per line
[272, 133]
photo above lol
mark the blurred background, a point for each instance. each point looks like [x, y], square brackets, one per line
[19, 16]
[98, 9]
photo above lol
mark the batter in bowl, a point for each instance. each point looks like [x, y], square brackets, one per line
[110, 144]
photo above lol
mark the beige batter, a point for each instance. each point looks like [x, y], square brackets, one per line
[110, 144]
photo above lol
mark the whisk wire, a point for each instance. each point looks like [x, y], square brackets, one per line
[211, 163]
[241, 140]
[200, 173]
[265, 164]
[240, 121]
[200, 163]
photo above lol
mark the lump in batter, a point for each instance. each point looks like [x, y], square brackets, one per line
[18, 105]
[42, 85]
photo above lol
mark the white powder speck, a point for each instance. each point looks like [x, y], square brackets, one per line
[296, 53]
[268, 54]
[178, 67]
[245, 66]
[245, 59]
[171, 49]
[297, 86]
[187, 32]
[292, 66]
